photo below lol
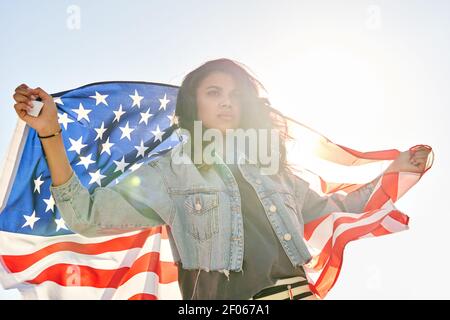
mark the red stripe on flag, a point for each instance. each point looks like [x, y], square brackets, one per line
[167, 271]
[391, 154]
[377, 200]
[352, 234]
[75, 275]
[332, 187]
[311, 226]
[399, 216]
[326, 250]
[324, 255]
[143, 296]
[331, 270]
[22, 262]
[389, 184]
[380, 231]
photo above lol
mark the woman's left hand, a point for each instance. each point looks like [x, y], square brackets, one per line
[411, 160]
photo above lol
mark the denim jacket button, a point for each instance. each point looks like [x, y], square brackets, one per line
[273, 208]
[287, 236]
[258, 181]
[198, 206]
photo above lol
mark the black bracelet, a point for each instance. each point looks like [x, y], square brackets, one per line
[52, 135]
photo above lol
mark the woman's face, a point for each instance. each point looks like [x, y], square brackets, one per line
[218, 104]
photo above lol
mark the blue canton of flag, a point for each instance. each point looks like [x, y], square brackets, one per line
[109, 129]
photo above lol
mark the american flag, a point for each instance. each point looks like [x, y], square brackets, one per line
[335, 171]
[110, 129]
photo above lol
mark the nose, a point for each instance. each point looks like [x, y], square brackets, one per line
[225, 104]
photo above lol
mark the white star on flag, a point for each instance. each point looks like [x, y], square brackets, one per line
[173, 119]
[82, 113]
[145, 116]
[118, 114]
[60, 224]
[100, 131]
[141, 149]
[99, 98]
[50, 203]
[58, 101]
[164, 102]
[64, 120]
[136, 99]
[31, 220]
[76, 145]
[96, 177]
[120, 165]
[126, 132]
[37, 184]
[106, 147]
[158, 134]
[86, 161]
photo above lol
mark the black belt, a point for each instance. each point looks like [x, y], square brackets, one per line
[295, 288]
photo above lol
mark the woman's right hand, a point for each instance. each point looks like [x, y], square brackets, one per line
[47, 121]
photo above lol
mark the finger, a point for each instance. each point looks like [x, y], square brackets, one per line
[422, 153]
[422, 161]
[424, 147]
[420, 156]
[21, 110]
[40, 93]
[418, 164]
[23, 86]
[421, 147]
[19, 107]
[22, 99]
[30, 120]
[25, 92]
[417, 167]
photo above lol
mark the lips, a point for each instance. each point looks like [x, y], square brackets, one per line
[226, 116]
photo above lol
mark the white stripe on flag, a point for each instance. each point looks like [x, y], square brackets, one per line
[144, 282]
[393, 225]
[405, 182]
[11, 161]
[104, 261]
[365, 221]
[27, 244]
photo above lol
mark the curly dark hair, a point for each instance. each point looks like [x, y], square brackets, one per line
[257, 112]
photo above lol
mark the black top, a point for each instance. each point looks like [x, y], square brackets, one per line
[264, 259]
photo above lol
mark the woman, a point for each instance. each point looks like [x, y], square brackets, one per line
[235, 233]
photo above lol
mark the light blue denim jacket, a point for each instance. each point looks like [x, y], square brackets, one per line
[202, 206]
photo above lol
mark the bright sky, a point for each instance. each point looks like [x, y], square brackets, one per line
[370, 75]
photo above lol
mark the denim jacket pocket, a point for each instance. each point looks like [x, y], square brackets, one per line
[202, 214]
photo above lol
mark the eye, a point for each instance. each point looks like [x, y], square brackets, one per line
[213, 93]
